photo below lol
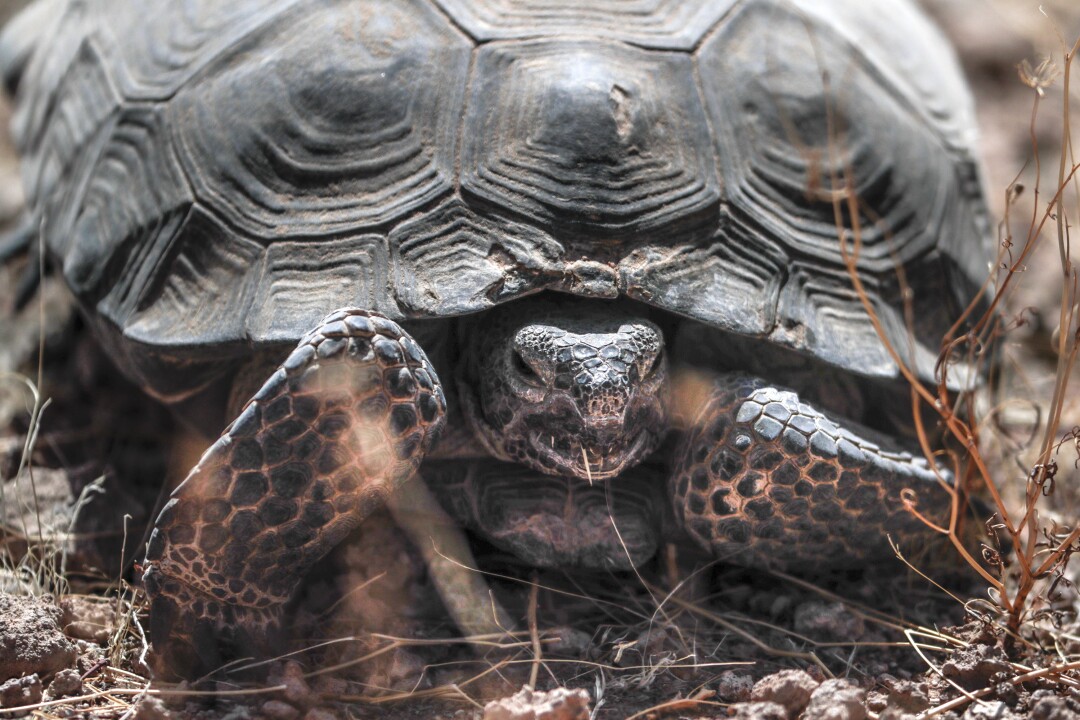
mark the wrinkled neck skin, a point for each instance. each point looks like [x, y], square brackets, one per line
[565, 386]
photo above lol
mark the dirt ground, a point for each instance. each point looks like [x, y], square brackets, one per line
[683, 639]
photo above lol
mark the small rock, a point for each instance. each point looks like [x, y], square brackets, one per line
[404, 670]
[90, 656]
[20, 691]
[88, 618]
[1006, 691]
[759, 711]
[569, 642]
[151, 708]
[297, 691]
[993, 710]
[828, 621]
[527, 704]
[279, 710]
[733, 686]
[656, 643]
[877, 700]
[837, 700]
[898, 714]
[769, 604]
[30, 637]
[790, 688]
[67, 682]
[780, 606]
[321, 714]
[1045, 705]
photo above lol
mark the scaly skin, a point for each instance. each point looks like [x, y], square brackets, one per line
[345, 419]
[565, 387]
[765, 480]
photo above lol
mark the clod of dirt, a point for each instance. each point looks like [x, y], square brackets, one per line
[973, 667]
[759, 711]
[66, 683]
[527, 704]
[279, 710]
[1045, 705]
[907, 696]
[86, 617]
[20, 691]
[733, 686]
[828, 621]
[30, 637]
[151, 708]
[790, 688]
[837, 700]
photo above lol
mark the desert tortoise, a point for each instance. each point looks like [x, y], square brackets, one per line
[608, 227]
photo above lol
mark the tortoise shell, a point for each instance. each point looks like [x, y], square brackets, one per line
[214, 177]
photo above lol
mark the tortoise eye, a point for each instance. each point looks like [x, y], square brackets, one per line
[524, 370]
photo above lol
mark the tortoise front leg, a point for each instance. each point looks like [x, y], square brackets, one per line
[763, 478]
[346, 419]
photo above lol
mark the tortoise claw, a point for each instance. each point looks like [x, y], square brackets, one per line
[197, 635]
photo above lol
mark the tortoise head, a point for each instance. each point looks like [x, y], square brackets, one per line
[568, 387]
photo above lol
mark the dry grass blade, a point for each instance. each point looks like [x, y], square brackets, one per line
[701, 698]
[40, 565]
[534, 633]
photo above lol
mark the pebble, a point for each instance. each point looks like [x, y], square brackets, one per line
[790, 688]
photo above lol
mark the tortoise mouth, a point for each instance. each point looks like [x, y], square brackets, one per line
[570, 454]
[558, 443]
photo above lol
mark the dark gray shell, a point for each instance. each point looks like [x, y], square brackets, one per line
[216, 176]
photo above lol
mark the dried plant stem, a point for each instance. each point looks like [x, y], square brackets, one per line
[971, 336]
